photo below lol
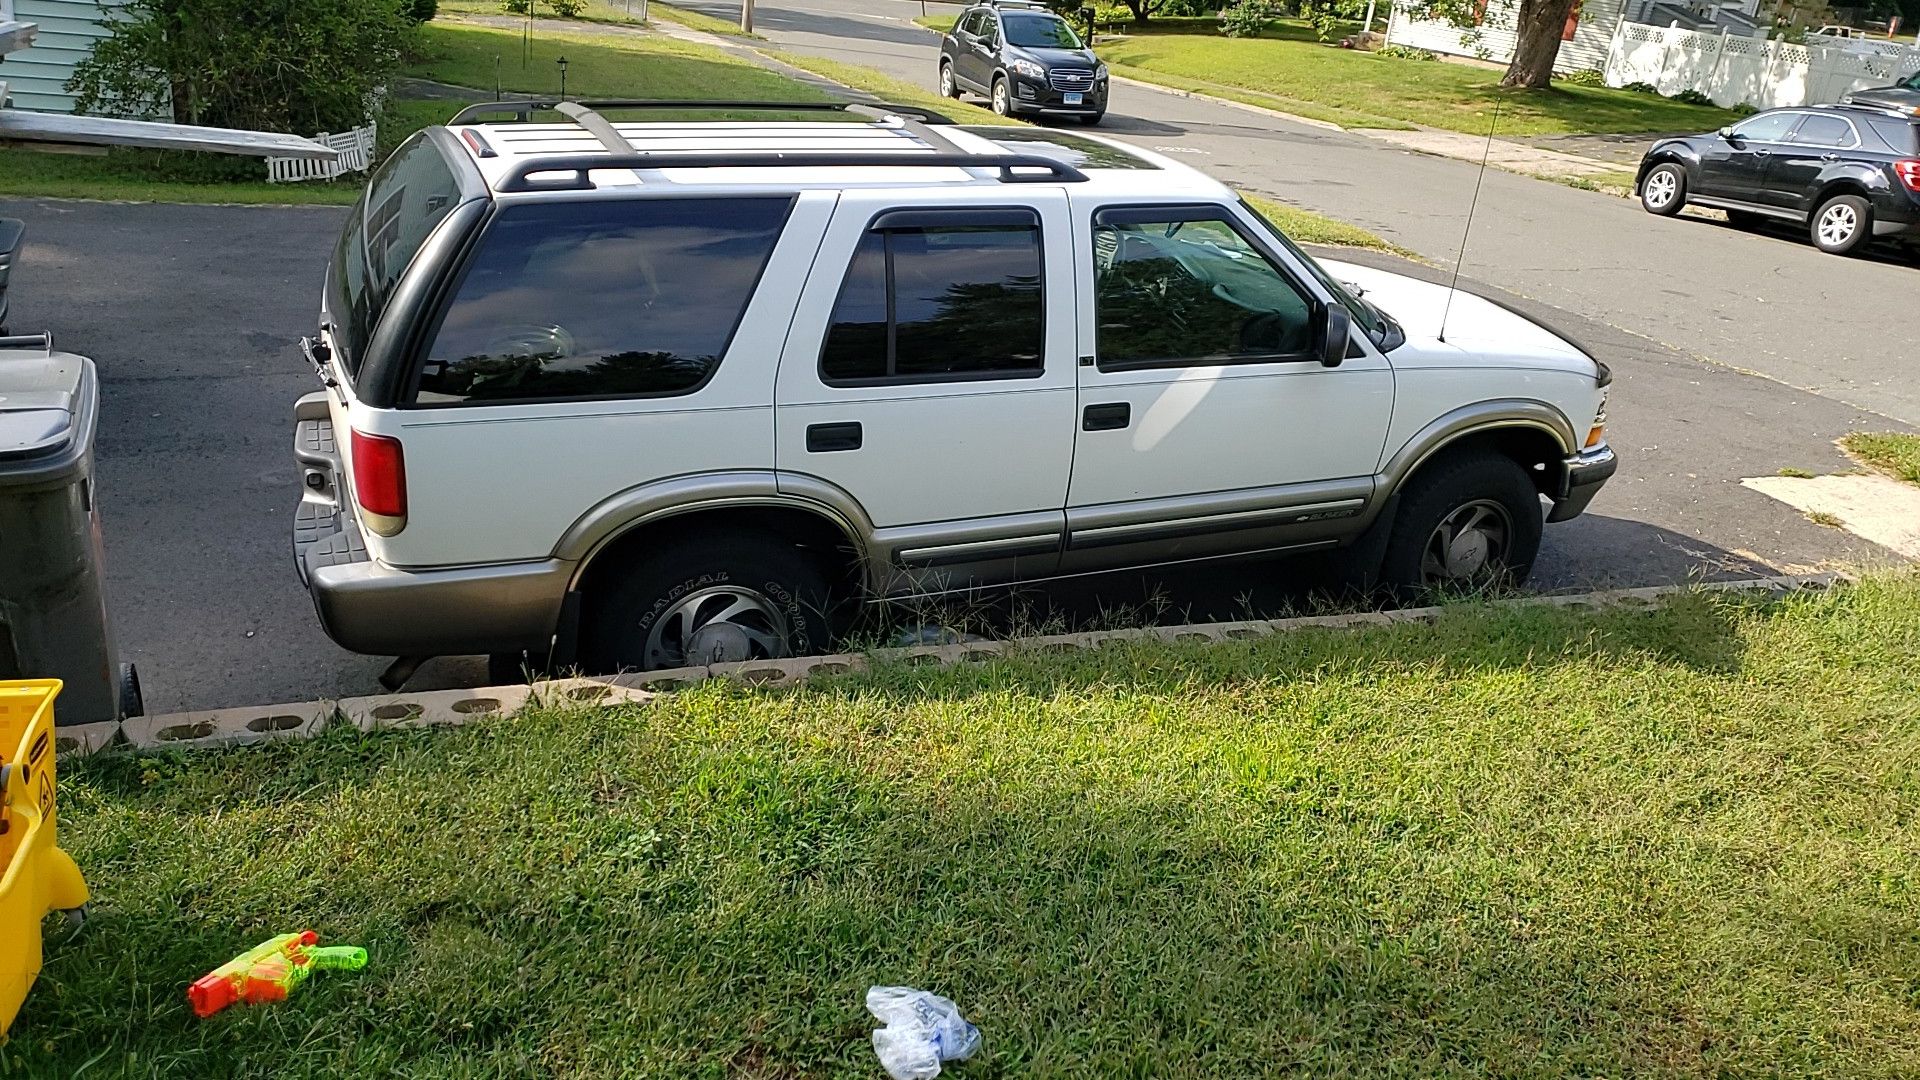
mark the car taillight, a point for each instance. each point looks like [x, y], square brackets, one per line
[380, 482]
[1909, 173]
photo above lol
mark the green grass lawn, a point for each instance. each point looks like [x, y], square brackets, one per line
[1290, 72]
[1895, 454]
[1520, 842]
[598, 66]
[617, 12]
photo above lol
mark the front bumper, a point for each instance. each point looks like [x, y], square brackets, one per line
[1581, 479]
[369, 607]
[1032, 95]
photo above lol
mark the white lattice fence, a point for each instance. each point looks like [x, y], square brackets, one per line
[353, 152]
[1764, 74]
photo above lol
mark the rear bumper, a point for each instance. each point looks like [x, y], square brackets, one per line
[369, 607]
[1581, 479]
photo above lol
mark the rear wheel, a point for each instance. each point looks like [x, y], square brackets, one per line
[1473, 522]
[1664, 191]
[1842, 224]
[1002, 97]
[948, 88]
[707, 599]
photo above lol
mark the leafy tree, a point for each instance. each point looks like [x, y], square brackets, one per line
[264, 65]
[1538, 25]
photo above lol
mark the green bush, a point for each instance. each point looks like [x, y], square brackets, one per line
[1246, 18]
[565, 9]
[1743, 108]
[1403, 52]
[1690, 96]
[422, 10]
[1588, 77]
[291, 65]
[1642, 88]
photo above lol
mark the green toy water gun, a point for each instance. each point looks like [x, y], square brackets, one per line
[270, 971]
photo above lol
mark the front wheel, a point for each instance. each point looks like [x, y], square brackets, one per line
[948, 88]
[710, 599]
[1664, 191]
[1002, 97]
[1470, 523]
[1842, 224]
[1091, 119]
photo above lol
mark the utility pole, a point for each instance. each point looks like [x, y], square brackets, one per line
[746, 16]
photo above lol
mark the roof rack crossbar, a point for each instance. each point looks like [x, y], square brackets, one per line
[522, 108]
[597, 124]
[520, 177]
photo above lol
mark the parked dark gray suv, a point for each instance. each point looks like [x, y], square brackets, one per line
[1026, 60]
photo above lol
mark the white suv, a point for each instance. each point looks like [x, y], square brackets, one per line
[637, 395]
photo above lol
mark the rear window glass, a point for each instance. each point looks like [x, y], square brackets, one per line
[596, 299]
[1902, 135]
[929, 303]
[410, 195]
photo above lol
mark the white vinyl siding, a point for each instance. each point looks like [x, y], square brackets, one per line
[36, 78]
[1495, 38]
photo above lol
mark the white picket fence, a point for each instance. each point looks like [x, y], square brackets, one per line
[1764, 74]
[353, 153]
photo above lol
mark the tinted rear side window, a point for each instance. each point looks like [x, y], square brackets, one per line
[587, 299]
[1824, 131]
[410, 195]
[932, 302]
[1902, 135]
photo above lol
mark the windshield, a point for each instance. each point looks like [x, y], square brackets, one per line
[1377, 324]
[1040, 32]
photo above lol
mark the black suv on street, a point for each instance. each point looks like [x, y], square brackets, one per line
[1849, 173]
[1024, 58]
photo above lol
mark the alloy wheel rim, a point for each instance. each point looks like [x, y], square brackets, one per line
[1660, 188]
[1838, 223]
[1470, 545]
[1000, 97]
[946, 80]
[718, 625]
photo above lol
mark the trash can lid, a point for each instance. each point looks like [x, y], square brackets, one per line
[42, 397]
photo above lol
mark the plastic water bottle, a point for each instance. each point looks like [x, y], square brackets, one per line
[922, 1030]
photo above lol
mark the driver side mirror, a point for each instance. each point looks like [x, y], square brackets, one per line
[1728, 134]
[1336, 325]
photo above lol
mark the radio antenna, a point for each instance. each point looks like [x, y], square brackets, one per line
[1454, 285]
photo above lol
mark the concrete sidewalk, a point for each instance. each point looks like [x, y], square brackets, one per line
[1499, 153]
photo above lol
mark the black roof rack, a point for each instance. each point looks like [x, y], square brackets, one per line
[520, 177]
[521, 109]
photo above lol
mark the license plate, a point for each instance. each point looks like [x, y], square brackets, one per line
[1073, 99]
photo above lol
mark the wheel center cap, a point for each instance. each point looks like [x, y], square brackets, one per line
[1467, 554]
[719, 643]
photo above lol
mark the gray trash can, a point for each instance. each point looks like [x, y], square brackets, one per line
[53, 607]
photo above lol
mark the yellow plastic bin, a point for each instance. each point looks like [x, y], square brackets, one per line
[35, 875]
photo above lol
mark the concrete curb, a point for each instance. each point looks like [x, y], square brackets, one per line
[451, 708]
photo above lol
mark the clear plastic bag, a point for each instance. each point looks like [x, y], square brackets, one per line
[922, 1030]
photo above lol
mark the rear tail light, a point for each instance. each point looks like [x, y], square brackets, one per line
[1909, 173]
[380, 482]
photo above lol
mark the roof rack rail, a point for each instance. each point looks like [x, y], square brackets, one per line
[520, 177]
[521, 109]
[594, 122]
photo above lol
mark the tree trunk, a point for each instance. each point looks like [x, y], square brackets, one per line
[1538, 27]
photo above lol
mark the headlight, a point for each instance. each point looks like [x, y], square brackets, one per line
[1099, 71]
[1028, 68]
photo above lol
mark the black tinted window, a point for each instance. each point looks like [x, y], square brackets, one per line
[1040, 32]
[404, 201]
[1902, 135]
[940, 301]
[1771, 127]
[1824, 131]
[601, 299]
[1191, 292]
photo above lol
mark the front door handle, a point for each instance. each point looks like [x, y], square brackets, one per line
[1110, 417]
[832, 438]
[1763, 153]
[1829, 157]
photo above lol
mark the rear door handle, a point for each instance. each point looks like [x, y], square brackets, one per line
[1110, 417]
[832, 438]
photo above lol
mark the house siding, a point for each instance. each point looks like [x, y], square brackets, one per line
[1587, 51]
[36, 78]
